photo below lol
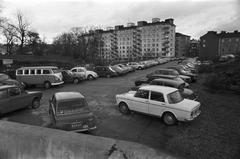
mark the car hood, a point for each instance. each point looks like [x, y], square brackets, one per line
[184, 77]
[187, 91]
[128, 94]
[187, 105]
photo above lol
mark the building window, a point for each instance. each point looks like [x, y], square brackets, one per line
[204, 45]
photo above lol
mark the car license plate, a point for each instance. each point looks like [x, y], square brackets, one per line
[76, 125]
[85, 126]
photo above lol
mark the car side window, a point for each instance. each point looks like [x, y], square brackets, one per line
[74, 70]
[38, 72]
[3, 94]
[142, 94]
[26, 72]
[46, 72]
[14, 91]
[156, 96]
[32, 72]
[19, 72]
[80, 70]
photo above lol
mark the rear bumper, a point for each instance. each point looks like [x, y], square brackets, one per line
[86, 129]
[57, 83]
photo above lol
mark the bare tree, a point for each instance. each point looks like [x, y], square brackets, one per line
[22, 28]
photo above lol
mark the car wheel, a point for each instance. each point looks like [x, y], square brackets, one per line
[36, 103]
[140, 68]
[76, 81]
[169, 119]
[108, 76]
[90, 77]
[47, 85]
[124, 108]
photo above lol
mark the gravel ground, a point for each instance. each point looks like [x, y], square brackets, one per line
[214, 134]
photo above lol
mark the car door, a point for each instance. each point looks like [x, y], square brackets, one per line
[4, 101]
[66, 77]
[18, 99]
[156, 103]
[140, 101]
[82, 72]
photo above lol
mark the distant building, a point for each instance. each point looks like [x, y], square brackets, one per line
[135, 42]
[193, 48]
[213, 44]
[182, 45]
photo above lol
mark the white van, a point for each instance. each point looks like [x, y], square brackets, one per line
[40, 75]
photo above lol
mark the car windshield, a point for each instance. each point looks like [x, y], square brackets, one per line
[174, 97]
[55, 70]
[3, 77]
[71, 107]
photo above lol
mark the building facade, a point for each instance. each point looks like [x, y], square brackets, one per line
[182, 45]
[134, 42]
[193, 48]
[213, 44]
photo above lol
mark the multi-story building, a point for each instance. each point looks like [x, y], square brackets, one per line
[193, 48]
[213, 44]
[182, 45]
[141, 41]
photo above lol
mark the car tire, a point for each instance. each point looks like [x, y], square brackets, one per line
[140, 68]
[35, 103]
[47, 85]
[169, 119]
[76, 81]
[108, 76]
[90, 77]
[123, 108]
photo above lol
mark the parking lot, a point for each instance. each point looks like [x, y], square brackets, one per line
[211, 135]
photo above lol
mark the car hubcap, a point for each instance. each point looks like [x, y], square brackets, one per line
[76, 81]
[123, 108]
[36, 104]
[169, 119]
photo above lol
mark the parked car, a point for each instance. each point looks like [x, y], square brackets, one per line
[165, 102]
[181, 71]
[185, 92]
[124, 68]
[39, 75]
[69, 77]
[13, 98]
[136, 65]
[119, 70]
[156, 76]
[171, 72]
[69, 111]
[6, 80]
[87, 74]
[105, 71]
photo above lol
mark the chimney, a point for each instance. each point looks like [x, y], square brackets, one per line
[141, 23]
[155, 20]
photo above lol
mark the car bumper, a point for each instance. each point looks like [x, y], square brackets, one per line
[86, 129]
[57, 83]
[194, 116]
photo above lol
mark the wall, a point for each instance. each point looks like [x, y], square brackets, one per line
[20, 141]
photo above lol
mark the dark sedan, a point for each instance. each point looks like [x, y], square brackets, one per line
[13, 98]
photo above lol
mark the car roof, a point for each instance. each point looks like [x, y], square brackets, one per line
[159, 88]
[38, 67]
[168, 81]
[6, 86]
[77, 67]
[68, 95]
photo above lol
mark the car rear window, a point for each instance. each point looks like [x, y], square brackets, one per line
[71, 107]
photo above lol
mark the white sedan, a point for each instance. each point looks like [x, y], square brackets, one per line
[161, 101]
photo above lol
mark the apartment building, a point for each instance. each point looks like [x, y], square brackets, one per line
[182, 44]
[193, 48]
[137, 41]
[213, 44]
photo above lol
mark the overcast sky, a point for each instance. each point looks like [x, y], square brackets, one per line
[191, 17]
